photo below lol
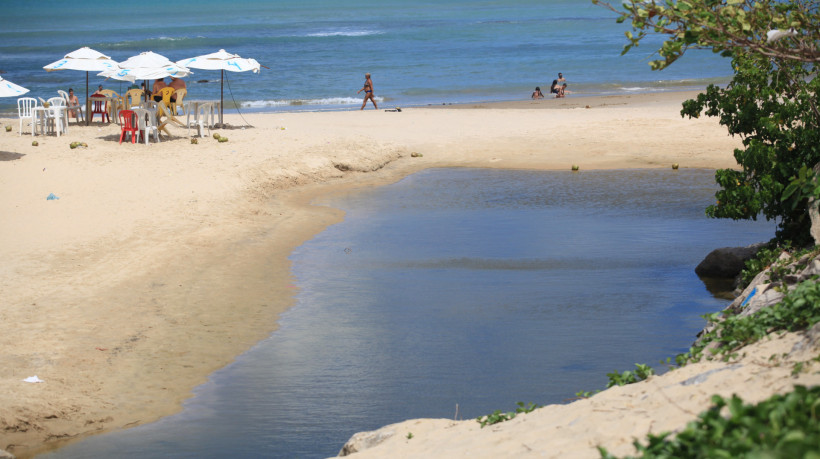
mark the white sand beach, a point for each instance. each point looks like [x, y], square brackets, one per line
[159, 264]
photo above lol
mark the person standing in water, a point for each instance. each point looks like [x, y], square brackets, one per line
[368, 92]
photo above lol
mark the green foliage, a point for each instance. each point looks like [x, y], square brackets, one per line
[726, 27]
[497, 416]
[770, 103]
[586, 393]
[769, 257]
[782, 426]
[772, 108]
[764, 258]
[409, 435]
[641, 372]
[799, 310]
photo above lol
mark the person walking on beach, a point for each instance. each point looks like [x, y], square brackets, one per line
[368, 92]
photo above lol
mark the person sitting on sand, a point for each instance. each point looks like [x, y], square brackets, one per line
[73, 102]
[537, 93]
[158, 85]
[368, 91]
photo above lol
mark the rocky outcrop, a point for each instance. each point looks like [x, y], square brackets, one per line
[770, 285]
[726, 262]
[364, 440]
[814, 213]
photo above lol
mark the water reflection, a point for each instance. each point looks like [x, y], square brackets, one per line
[476, 288]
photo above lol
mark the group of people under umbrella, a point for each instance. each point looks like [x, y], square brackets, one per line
[145, 66]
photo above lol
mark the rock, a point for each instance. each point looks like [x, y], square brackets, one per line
[726, 262]
[808, 343]
[763, 296]
[814, 213]
[364, 440]
[766, 290]
[5, 455]
[813, 269]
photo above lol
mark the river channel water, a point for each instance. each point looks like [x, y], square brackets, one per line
[453, 293]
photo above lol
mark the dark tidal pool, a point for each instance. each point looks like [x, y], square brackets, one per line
[459, 289]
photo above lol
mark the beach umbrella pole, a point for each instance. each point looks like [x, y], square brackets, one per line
[87, 102]
[221, 96]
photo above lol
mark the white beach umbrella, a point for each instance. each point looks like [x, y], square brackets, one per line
[85, 59]
[146, 66]
[222, 60]
[9, 89]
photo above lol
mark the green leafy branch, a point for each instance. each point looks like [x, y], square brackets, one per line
[799, 310]
[728, 27]
[499, 416]
[642, 372]
[781, 426]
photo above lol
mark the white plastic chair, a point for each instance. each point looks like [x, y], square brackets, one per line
[57, 116]
[147, 123]
[200, 120]
[25, 110]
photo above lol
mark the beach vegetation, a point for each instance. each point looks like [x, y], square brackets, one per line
[770, 103]
[641, 372]
[772, 107]
[730, 332]
[782, 31]
[786, 425]
[799, 310]
[499, 416]
[585, 393]
[780, 259]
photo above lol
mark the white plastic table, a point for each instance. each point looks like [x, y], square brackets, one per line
[42, 112]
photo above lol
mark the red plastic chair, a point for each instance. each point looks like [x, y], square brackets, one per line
[128, 121]
[98, 106]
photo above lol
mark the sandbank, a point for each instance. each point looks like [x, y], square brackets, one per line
[159, 264]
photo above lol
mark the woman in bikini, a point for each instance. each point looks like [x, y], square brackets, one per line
[368, 91]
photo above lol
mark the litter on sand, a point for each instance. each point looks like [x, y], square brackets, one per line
[52, 197]
[33, 379]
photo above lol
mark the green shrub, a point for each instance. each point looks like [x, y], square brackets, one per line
[784, 426]
[799, 310]
[768, 257]
[641, 372]
[497, 416]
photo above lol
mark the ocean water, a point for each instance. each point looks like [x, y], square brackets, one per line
[454, 293]
[316, 51]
